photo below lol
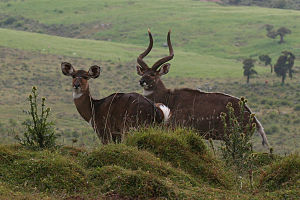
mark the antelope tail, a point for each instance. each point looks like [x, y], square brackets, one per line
[260, 129]
[165, 111]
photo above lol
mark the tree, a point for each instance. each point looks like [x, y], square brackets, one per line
[234, 2]
[248, 68]
[267, 60]
[282, 31]
[284, 65]
[291, 61]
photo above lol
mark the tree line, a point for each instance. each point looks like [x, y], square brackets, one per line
[282, 68]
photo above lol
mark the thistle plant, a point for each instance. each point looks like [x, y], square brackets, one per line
[237, 147]
[39, 132]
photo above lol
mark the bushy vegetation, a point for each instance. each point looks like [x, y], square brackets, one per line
[237, 147]
[282, 4]
[39, 131]
[141, 170]
[284, 173]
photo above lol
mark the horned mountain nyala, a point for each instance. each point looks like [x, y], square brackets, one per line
[190, 108]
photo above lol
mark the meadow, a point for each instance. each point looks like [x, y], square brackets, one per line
[209, 40]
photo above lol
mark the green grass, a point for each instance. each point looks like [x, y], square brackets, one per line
[281, 174]
[209, 41]
[196, 66]
[201, 27]
[183, 149]
[139, 171]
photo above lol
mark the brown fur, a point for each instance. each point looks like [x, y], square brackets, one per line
[113, 115]
[190, 108]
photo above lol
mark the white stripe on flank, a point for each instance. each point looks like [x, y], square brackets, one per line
[166, 111]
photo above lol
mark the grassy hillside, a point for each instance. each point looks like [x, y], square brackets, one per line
[196, 65]
[150, 164]
[201, 27]
[209, 42]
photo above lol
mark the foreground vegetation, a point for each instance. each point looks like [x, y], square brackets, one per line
[150, 163]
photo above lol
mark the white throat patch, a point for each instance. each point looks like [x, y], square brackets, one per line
[76, 95]
[147, 92]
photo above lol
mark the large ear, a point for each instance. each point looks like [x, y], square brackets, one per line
[94, 71]
[164, 69]
[67, 69]
[140, 70]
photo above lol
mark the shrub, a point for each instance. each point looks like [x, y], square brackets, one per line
[237, 147]
[39, 132]
[9, 20]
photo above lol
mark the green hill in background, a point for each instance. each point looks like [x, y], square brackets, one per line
[210, 41]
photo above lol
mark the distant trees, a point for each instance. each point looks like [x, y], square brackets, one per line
[284, 65]
[267, 60]
[248, 68]
[234, 2]
[281, 32]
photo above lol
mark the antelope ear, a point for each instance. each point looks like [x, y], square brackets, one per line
[139, 70]
[94, 71]
[164, 69]
[67, 69]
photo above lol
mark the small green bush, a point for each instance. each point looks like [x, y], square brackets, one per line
[39, 132]
[281, 174]
[237, 147]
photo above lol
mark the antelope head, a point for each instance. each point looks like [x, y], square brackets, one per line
[80, 78]
[151, 76]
